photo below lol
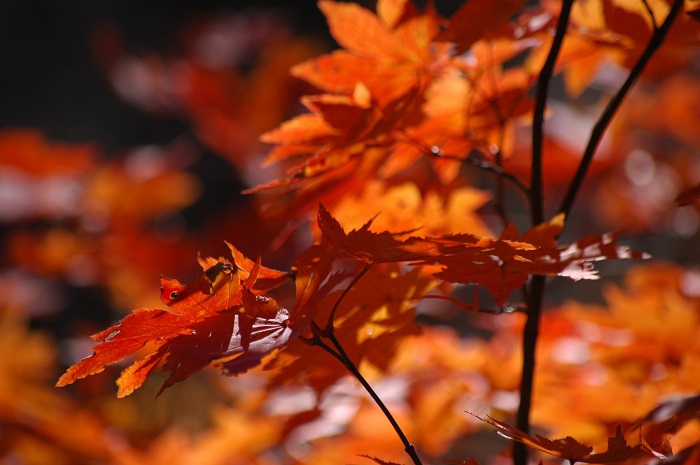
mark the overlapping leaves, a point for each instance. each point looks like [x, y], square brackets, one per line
[223, 316]
[218, 316]
[394, 92]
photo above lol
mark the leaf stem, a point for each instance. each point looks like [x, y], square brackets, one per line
[613, 105]
[473, 308]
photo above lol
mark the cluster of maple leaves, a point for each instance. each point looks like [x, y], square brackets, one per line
[394, 201]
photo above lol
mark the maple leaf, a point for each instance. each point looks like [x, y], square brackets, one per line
[223, 317]
[190, 307]
[340, 128]
[570, 449]
[392, 54]
[405, 207]
[377, 84]
[217, 317]
[371, 321]
[500, 265]
[670, 415]
[464, 30]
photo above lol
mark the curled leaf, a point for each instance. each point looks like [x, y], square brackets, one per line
[569, 448]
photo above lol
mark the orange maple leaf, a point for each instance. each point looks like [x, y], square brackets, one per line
[377, 82]
[392, 54]
[398, 93]
[372, 320]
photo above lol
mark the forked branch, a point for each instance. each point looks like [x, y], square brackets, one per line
[339, 354]
[536, 289]
[613, 105]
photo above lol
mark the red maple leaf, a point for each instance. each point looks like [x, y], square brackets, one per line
[464, 31]
[218, 317]
[569, 448]
[499, 265]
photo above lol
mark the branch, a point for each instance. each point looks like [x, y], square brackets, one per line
[339, 354]
[543, 81]
[474, 308]
[484, 165]
[650, 12]
[606, 116]
[536, 290]
[530, 336]
[342, 356]
[479, 163]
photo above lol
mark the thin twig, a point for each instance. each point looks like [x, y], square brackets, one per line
[614, 104]
[651, 15]
[339, 354]
[476, 309]
[347, 362]
[484, 165]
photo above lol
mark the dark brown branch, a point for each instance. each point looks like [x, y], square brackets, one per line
[477, 309]
[339, 354]
[536, 289]
[606, 116]
[543, 81]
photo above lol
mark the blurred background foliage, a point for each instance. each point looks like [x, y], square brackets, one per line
[128, 130]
